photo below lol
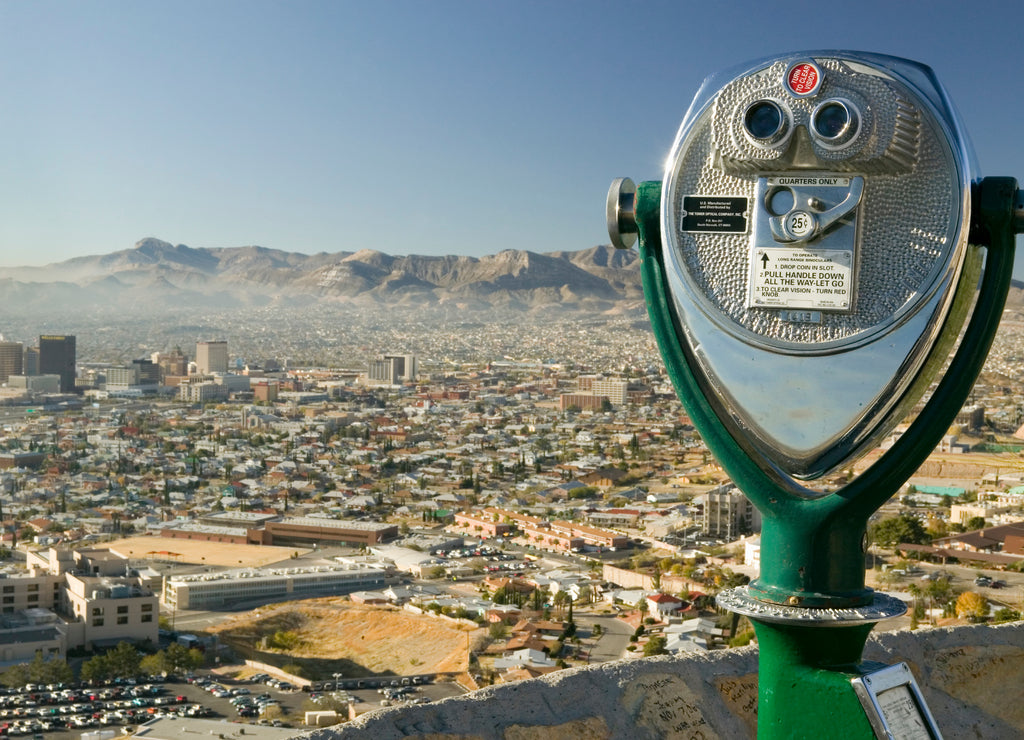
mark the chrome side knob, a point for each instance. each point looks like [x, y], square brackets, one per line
[621, 213]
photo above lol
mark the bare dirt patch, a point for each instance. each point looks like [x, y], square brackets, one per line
[200, 552]
[333, 634]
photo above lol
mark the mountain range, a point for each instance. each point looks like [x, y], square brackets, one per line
[155, 273]
[601, 279]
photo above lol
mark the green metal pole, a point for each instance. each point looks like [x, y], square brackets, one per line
[804, 676]
[810, 607]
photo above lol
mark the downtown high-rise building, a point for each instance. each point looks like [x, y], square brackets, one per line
[211, 357]
[171, 363]
[149, 372]
[57, 357]
[30, 361]
[391, 369]
[11, 356]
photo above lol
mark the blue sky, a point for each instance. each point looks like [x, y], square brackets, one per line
[437, 127]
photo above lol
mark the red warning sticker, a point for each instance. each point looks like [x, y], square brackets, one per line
[803, 78]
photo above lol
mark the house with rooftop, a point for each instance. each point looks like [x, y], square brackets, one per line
[1007, 538]
[662, 606]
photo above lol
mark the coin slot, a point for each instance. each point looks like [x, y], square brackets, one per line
[780, 201]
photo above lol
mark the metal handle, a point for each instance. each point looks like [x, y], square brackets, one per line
[806, 220]
[1018, 213]
[621, 213]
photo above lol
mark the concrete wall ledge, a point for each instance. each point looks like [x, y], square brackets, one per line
[972, 678]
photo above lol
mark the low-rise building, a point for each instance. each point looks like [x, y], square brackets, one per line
[963, 513]
[306, 530]
[485, 523]
[74, 599]
[1008, 538]
[216, 590]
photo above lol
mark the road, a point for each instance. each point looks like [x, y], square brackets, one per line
[1012, 594]
[611, 644]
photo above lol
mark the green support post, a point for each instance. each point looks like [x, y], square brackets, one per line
[811, 610]
[804, 676]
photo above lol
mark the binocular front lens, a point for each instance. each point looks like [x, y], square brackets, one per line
[764, 119]
[834, 121]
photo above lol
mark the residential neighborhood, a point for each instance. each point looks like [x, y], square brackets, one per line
[560, 514]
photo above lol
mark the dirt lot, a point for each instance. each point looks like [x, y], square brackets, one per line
[333, 634]
[197, 552]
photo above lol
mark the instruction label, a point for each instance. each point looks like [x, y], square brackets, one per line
[801, 278]
[714, 214]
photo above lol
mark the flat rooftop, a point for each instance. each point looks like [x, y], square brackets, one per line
[315, 521]
[202, 552]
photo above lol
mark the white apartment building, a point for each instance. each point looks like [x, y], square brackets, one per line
[729, 514]
[616, 391]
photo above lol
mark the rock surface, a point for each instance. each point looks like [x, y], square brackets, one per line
[972, 679]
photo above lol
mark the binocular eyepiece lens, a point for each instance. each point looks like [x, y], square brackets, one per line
[833, 120]
[764, 119]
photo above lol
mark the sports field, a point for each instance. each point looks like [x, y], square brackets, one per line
[198, 552]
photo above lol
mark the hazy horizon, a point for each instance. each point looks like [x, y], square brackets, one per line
[443, 128]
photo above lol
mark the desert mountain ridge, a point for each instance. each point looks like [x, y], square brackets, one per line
[158, 274]
[600, 279]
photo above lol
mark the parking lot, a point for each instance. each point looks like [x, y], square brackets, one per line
[66, 711]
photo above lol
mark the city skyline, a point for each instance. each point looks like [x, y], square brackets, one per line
[436, 129]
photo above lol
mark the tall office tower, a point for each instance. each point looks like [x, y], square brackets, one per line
[391, 369]
[149, 372]
[171, 363]
[57, 357]
[405, 365]
[10, 359]
[30, 361]
[211, 357]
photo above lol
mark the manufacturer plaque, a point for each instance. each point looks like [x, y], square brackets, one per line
[894, 704]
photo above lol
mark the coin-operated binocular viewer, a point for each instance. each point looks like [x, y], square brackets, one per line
[817, 246]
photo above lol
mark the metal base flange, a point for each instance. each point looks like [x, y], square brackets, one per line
[740, 601]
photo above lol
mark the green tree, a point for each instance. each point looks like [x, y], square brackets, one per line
[152, 664]
[560, 600]
[974, 523]
[52, 670]
[124, 660]
[97, 668]
[902, 528]
[15, 676]
[174, 659]
[655, 645]
[1006, 615]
